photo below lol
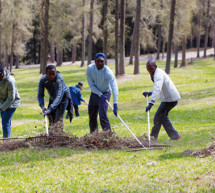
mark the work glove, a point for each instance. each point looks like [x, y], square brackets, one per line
[115, 109]
[103, 98]
[147, 94]
[0, 110]
[44, 109]
[47, 112]
[149, 107]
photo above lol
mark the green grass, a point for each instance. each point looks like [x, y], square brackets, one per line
[70, 170]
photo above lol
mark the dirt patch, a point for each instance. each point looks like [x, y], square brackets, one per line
[97, 140]
[125, 77]
[210, 151]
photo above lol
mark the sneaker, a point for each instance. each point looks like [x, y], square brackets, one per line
[179, 138]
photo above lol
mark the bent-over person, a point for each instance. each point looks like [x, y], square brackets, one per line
[59, 95]
[169, 96]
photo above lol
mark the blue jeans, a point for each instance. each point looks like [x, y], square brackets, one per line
[161, 118]
[6, 122]
[96, 106]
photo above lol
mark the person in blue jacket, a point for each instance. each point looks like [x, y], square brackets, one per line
[59, 95]
[102, 82]
[76, 95]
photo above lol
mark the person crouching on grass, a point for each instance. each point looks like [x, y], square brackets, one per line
[59, 96]
[169, 95]
[101, 81]
[9, 100]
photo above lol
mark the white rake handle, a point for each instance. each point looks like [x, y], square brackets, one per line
[47, 129]
[149, 139]
[126, 126]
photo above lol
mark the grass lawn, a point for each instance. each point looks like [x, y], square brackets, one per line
[70, 170]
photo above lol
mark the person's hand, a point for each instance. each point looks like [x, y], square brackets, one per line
[44, 109]
[115, 109]
[149, 107]
[147, 94]
[103, 98]
[47, 112]
[0, 110]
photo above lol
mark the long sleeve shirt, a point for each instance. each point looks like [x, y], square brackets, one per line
[101, 81]
[56, 88]
[9, 96]
[164, 87]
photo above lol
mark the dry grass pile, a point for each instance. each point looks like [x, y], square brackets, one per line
[94, 141]
[210, 151]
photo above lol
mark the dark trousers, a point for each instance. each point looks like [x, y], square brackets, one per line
[57, 114]
[76, 110]
[6, 122]
[161, 118]
[96, 106]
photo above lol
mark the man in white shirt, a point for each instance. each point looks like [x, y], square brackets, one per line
[169, 95]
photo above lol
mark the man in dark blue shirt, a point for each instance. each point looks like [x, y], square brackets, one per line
[75, 92]
[59, 96]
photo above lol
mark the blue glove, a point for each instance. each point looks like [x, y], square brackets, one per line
[103, 98]
[147, 94]
[44, 109]
[47, 112]
[149, 107]
[115, 109]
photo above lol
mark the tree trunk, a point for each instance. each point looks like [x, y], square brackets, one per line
[74, 52]
[12, 48]
[198, 35]
[83, 38]
[176, 56]
[116, 37]
[6, 57]
[207, 30]
[183, 61]
[159, 35]
[17, 61]
[170, 36]
[132, 47]
[163, 48]
[59, 57]
[105, 28]
[191, 38]
[52, 52]
[90, 39]
[44, 36]
[122, 38]
[137, 37]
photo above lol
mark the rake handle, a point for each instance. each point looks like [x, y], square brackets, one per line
[126, 126]
[149, 138]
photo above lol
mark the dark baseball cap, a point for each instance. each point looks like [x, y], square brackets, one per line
[80, 83]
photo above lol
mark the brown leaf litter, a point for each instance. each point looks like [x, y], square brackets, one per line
[59, 138]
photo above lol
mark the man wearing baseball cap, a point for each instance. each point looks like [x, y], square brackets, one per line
[101, 82]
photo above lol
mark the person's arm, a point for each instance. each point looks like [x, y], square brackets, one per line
[114, 87]
[80, 97]
[59, 94]
[91, 83]
[11, 96]
[40, 94]
[158, 83]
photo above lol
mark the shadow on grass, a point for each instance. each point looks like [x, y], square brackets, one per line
[168, 156]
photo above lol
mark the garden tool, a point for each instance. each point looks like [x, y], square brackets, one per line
[149, 139]
[46, 123]
[143, 147]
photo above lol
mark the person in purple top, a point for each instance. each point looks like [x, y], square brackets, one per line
[101, 82]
